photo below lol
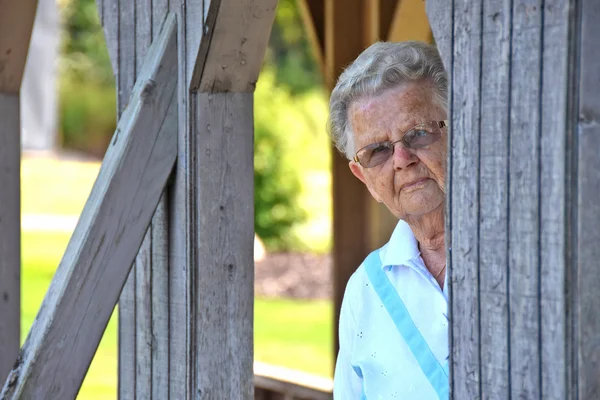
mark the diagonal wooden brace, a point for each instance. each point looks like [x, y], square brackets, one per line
[66, 333]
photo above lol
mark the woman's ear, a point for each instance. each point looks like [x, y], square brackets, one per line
[357, 170]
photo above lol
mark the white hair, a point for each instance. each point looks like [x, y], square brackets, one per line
[382, 66]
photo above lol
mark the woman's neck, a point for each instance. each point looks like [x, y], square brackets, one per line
[429, 233]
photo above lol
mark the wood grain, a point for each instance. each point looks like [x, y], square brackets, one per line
[588, 207]
[10, 231]
[182, 233]
[231, 61]
[126, 77]
[225, 276]
[82, 295]
[464, 200]
[524, 200]
[493, 225]
[16, 25]
[553, 195]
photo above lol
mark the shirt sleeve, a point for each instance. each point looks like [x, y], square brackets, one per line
[347, 383]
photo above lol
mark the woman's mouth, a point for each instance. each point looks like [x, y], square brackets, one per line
[414, 184]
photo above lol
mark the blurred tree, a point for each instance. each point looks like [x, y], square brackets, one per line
[289, 51]
[85, 55]
[87, 89]
[289, 113]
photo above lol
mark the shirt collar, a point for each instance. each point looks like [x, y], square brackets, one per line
[401, 248]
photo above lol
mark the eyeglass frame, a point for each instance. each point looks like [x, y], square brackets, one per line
[440, 125]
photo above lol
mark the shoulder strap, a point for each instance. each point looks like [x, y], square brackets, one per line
[395, 307]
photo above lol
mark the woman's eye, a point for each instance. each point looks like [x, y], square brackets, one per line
[420, 133]
[379, 149]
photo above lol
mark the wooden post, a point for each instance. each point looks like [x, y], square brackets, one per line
[68, 328]
[16, 25]
[173, 326]
[523, 197]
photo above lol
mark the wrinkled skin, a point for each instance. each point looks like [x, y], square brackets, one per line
[387, 117]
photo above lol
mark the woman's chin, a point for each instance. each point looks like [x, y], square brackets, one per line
[421, 203]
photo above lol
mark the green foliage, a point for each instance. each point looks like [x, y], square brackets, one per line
[290, 115]
[289, 142]
[87, 115]
[85, 56]
[87, 108]
[289, 51]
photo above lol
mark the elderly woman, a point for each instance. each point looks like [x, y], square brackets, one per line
[388, 116]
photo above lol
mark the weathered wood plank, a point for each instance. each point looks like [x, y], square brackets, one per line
[110, 24]
[553, 150]
[182, 234]
[142, 353]
[160, 9]
[524, 200]
[100, 5]
[270, 380]
[588, 207]
[10, 231]
[143, 31]
[79, 302]
[238, 41]
[441, 21]
[225, 129]
[194, 31]
[160, 301]
[142, 332]
[16, 25]
[464, 200]
[126, 77]
[493, 225]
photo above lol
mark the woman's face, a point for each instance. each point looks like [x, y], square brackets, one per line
[411, 183]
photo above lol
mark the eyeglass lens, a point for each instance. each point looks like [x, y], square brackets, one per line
[416, 138]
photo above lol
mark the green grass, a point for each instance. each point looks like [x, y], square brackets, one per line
[50, 186]
[293, 334]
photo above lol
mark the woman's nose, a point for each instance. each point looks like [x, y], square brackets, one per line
[403, 156]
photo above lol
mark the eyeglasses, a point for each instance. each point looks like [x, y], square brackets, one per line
[417, 137]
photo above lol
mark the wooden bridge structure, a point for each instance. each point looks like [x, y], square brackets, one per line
[168, 229]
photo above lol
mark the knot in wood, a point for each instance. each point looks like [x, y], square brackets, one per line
[148, 88]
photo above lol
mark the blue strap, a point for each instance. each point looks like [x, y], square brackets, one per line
[435, 373]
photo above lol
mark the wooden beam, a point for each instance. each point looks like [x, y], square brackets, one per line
[312, 13]
[10, 231]
[224, 127]
[523, 198]
[344, 40]
[223, 82]
[16, 25]
[234, 45]
[410, 22]
[379, 15]
[587, 122]
[439, 14]
[85, 289]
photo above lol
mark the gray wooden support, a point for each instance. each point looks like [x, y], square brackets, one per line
[66, 333]
[16, 25]
[173, 325]
[10, 231]
[523, 188]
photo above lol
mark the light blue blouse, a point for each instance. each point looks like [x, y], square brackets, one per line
[402, 355]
